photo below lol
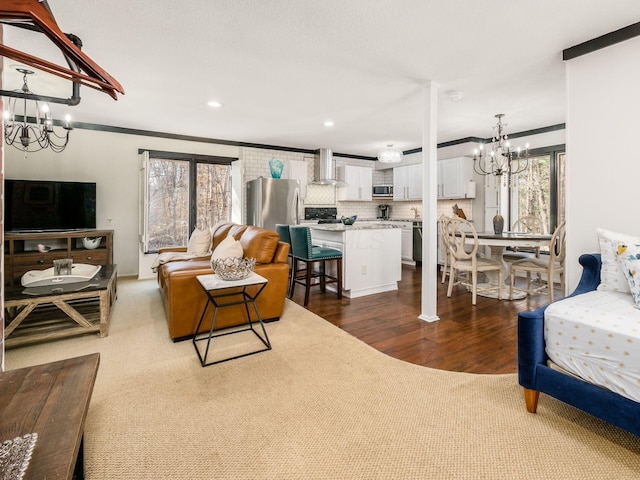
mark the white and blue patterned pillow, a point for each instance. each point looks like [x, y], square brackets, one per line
[629, 259]
[612, 278]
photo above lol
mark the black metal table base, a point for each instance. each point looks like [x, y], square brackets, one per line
[213, 299]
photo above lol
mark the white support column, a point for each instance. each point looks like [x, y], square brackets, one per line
[429, 204]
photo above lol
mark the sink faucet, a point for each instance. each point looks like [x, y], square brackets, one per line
[415, 211]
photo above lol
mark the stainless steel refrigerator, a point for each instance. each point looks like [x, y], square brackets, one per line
[271, 201]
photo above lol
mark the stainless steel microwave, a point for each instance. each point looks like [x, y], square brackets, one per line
[382, 191]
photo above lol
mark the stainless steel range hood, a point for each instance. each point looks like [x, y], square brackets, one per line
[325, 170]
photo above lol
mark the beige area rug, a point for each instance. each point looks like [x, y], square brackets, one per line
[320, 405]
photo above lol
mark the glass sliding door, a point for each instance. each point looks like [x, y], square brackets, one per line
[539, 190]
[530, 192]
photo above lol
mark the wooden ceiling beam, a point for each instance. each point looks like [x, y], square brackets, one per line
[36, 13]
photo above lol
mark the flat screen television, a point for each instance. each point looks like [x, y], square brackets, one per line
[35, 205]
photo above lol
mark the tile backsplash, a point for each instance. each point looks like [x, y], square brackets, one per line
[401, 210]
[364, 210]
[445, 207]
[320, 195]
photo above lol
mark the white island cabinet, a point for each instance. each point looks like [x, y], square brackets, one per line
[371, 255]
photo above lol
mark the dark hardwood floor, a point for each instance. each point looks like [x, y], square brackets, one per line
[467, 338]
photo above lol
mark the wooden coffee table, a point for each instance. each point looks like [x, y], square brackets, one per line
[51, 400]
[38, 314]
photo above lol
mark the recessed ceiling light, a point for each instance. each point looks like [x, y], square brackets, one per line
[328, 123]
[455, 95]
[214, 104]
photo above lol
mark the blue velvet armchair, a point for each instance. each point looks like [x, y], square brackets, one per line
[535, 376]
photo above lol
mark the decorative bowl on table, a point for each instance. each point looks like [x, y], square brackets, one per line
[233, 268]
[349, 220]
[43, 248]
[91, 243]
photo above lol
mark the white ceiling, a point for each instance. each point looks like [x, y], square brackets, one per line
[283, 67]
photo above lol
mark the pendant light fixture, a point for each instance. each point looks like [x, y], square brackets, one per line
[33, 137]
[501, 156]
[389, 155]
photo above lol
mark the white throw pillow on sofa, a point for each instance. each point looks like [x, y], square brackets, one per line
[612, 278]
[629, 259]
[200, 243]
[228, 248]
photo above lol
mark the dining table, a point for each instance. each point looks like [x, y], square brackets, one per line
[498, 243]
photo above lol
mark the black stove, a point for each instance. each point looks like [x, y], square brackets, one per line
[326, 213]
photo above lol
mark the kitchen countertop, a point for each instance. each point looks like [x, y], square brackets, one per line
[393, 219]
[366, 220]
[338, 227]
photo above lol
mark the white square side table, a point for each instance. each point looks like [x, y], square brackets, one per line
[224, 293]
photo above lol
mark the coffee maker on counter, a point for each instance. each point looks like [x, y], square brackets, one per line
[384, 211]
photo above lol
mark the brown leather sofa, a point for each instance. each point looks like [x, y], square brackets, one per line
[184, 299]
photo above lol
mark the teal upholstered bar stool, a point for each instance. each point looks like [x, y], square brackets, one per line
[283, 230]
[304, 251]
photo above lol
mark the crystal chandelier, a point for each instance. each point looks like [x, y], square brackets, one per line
[501, 156]
[28, 137]
[389, 155]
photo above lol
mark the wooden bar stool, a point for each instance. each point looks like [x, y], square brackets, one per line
[304, 251]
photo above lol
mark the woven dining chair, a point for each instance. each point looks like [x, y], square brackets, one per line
[525, 224]
[444, 246]
[459, 232]
[550, 266]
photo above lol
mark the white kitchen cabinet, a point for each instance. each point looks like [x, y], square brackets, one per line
[407, 240]
[492, 190]
[454, 175]
[407, 182]
[359, 182]
[297, 170]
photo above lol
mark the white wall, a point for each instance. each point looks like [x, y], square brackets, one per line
[603, 157]
[110, 160]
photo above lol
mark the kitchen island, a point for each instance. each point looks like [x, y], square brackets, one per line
[371, 255]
